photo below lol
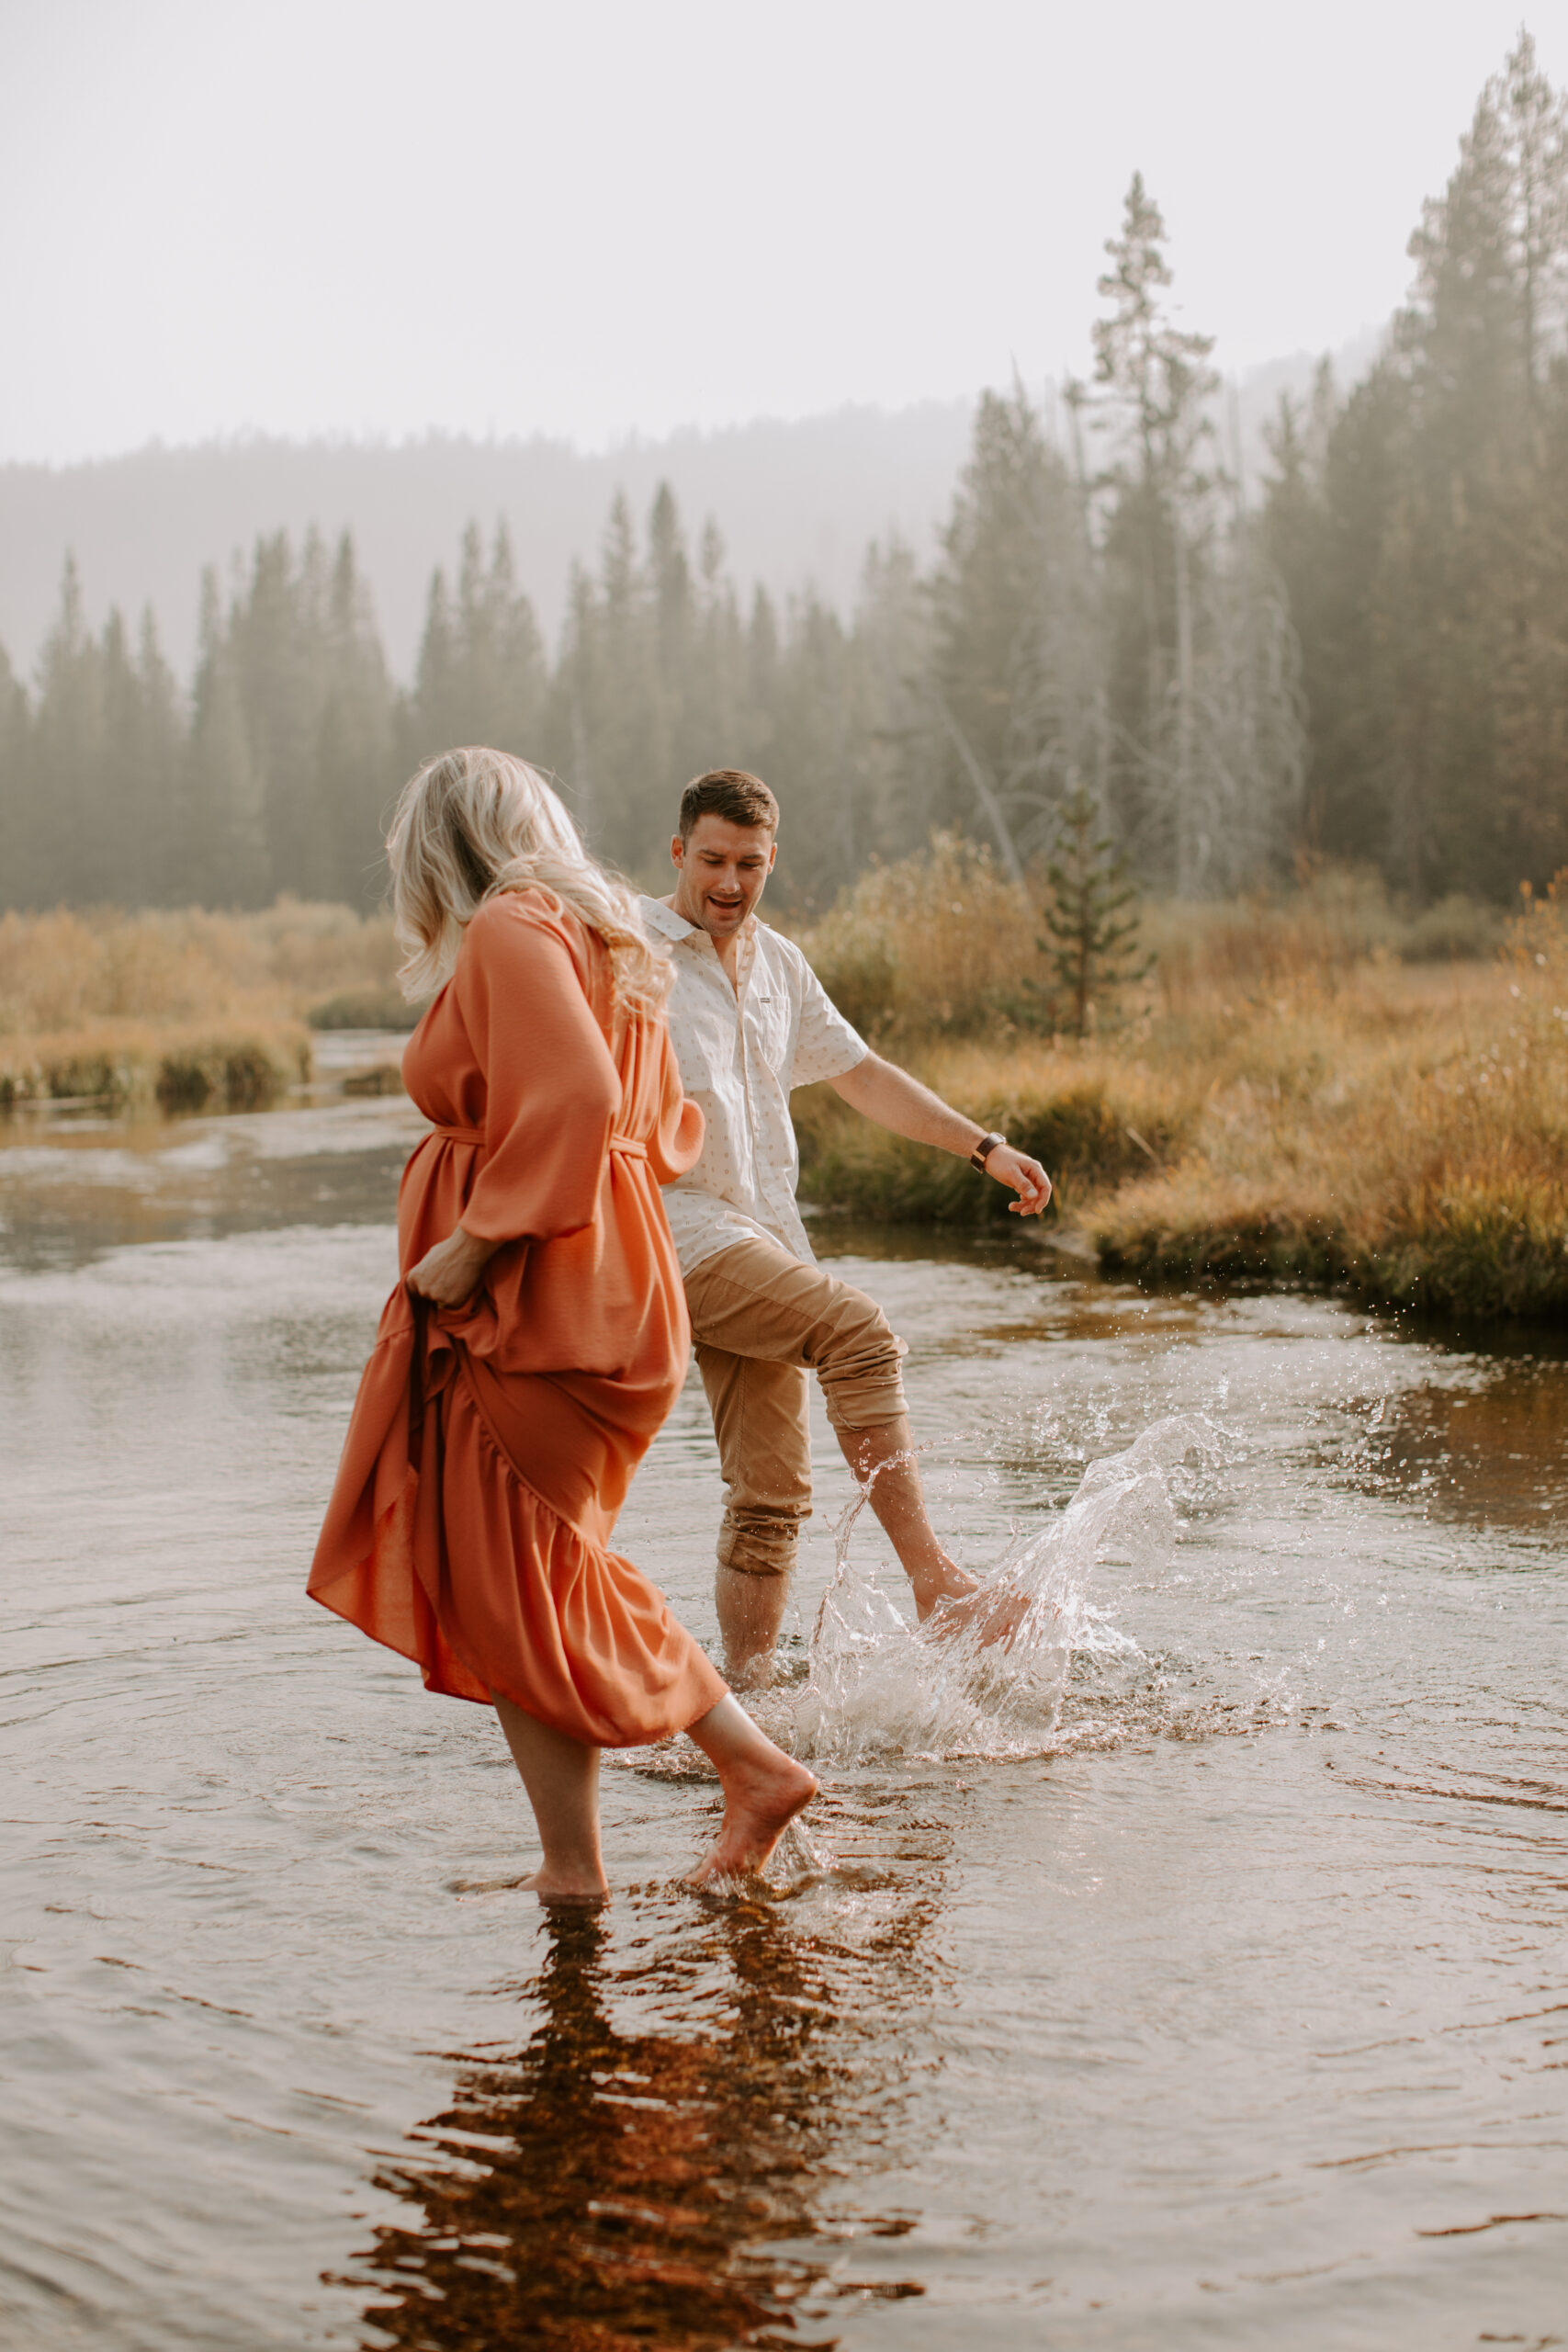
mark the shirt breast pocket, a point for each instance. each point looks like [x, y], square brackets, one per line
[771, 1025]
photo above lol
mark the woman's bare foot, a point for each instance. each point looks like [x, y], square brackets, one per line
[760, 1801]
[764, 1790]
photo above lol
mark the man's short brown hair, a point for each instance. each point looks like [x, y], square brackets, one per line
[733, 793]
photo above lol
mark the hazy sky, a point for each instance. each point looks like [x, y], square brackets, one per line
[589, 218]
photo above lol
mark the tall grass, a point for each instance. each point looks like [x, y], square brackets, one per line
[1297, 1091]
[940, 946]
[184, 1007]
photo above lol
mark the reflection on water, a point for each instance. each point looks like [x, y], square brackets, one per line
[1227, 2008]
[614, 2182]
[72, 1188]
[1487, 1449]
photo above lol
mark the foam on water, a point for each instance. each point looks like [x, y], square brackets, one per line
[993, 1683]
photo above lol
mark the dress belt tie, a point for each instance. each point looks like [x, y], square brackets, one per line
[633, 1147]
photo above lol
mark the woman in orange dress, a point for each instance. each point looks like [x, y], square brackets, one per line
[538, 1337]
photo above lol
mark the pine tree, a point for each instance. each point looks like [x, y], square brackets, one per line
[1156, 384]
[651, 684]
[1535, 130]
[18, 802]
[354, 769]
[1090, 944]
[1423, 558]
[604, 718]
[892, 646]
[482, 676]
[220, 854]
[76, 850]
[811, 766]
[143, 741]
[1012, 682]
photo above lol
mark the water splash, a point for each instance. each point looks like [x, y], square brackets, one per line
[993, 1683]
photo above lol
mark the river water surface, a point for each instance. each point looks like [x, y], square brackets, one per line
[1216, 1997]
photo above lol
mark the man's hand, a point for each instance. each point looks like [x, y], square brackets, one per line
[1027, 1179]
[447, 1275]
[895, 1100]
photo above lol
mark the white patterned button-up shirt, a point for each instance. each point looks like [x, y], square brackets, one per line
[740, 1049]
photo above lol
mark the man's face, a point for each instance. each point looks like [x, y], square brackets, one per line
[719, 872]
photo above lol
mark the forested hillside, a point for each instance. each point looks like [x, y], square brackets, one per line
[1371, 663]
[1420, 529]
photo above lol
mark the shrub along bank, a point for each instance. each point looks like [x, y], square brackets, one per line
[1287, 1100]
[186, 1009]
[1294, 1094]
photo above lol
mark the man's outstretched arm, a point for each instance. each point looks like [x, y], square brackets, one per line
[894, 1099]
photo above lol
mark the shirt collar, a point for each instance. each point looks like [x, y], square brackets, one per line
[665, 921]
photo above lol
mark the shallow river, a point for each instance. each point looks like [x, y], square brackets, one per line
[1220, 2000]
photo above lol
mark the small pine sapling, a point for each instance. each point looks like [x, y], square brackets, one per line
[1091, 945]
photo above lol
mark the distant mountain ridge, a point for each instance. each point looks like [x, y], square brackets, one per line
[795, 501]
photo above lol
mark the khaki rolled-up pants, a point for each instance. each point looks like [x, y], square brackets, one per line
[763, 1320]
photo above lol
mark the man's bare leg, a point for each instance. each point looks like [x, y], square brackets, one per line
[763, 1790]
[888, 1450]
[561, 1776]
[750, 1611]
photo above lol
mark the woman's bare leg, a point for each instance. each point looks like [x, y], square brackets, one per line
[764, 1790]
[561, 1776]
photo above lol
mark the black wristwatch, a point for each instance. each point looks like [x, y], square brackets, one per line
[983, 1150]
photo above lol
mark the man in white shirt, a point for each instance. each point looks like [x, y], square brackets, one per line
[749, 1020]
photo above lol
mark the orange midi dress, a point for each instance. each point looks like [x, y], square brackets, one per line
[492, 1444]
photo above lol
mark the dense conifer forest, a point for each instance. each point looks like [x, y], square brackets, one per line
[1366, 661]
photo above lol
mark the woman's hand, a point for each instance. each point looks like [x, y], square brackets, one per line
[447, 1275]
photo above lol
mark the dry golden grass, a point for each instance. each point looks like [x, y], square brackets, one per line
[1288, 1099]
[181, 1006]
[937, 945]
[1410, 1141]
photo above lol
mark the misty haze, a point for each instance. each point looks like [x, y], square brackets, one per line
[979, 1413]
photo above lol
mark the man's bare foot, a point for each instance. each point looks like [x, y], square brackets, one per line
[953, 1601]
[760, 1801]
[565, 1886]
[996, 1615]
[949, 1583]
[757, 1672]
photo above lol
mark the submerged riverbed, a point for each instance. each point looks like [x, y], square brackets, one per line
[1222, 2001]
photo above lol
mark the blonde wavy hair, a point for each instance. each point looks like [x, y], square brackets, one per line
[476, 823]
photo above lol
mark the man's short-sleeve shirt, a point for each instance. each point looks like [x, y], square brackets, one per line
[741, 1048]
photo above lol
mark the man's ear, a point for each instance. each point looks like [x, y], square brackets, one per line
[677, 851]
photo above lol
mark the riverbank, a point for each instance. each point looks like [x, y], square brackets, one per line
[1294, 1094]
[182, 1008]
[1281, 1104]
